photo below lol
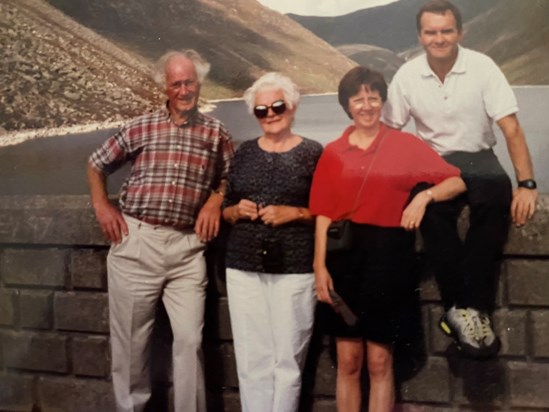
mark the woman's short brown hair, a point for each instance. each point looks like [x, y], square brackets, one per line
[354, 79]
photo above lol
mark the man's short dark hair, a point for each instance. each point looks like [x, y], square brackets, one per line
[354, 79]
[439, 7]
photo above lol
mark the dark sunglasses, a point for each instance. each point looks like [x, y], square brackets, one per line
[277, 107]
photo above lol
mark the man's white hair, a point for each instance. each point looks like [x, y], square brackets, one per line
[201, 66]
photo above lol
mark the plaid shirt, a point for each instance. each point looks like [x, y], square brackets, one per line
[173, 168]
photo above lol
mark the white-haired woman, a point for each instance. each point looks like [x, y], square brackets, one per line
[270, 281]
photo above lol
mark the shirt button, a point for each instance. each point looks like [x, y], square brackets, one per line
[176, 165]
[170, 200]
[173, 182]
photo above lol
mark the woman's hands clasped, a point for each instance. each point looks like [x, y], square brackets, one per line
[274, 215]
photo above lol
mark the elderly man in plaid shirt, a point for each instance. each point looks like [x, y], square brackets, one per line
[169, 207]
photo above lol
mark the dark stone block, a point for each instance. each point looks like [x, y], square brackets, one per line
[324, 405]
[53, 220]
[528, 384]
[33, 267]
[16, 392]
[428, 288]
[227, 400]
[531, 239]
[220, 365]
[478, 382]
[35, 308]
[326, 374]
[73, 394]
[510, 326]
[90, 356]
[528, 281]
[7, 307]
[81, 311]
[35, 351]
[430, 385]
[540, 335]
[88, 269]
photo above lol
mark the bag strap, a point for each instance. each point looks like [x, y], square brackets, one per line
[368, 172]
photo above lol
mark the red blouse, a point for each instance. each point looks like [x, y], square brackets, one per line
[395, 162]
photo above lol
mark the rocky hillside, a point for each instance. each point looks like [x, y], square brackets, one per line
[55, 72]
[73, 62]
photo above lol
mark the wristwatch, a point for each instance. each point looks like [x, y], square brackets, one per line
[528, 184]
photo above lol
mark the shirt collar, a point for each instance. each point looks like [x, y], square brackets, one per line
[189, 122]
[343, 141]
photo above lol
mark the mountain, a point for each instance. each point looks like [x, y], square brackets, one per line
[241, 38]
[514, 33]
[377, 58]
[392, 26]
[86, 61]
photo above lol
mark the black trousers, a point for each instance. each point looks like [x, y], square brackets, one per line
[466, 269]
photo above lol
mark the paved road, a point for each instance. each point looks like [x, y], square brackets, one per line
[56, 165]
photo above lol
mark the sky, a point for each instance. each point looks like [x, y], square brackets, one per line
[321, 7]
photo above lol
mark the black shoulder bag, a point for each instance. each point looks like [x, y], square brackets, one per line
[339, 235]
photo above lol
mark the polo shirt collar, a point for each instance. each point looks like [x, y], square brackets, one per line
[343, 141]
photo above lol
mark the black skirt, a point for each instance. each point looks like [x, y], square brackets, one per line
[377, 279]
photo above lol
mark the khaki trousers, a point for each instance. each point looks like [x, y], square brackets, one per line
[155, 262]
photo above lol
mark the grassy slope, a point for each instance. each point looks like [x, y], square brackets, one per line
[242, 39]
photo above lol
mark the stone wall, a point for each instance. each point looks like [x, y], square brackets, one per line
[54, 343]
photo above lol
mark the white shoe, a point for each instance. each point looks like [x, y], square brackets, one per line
[486, 335]
[471, 331]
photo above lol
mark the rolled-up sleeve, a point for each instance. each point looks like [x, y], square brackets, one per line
[111, 154]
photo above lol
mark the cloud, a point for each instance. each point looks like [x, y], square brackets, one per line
[321, 7]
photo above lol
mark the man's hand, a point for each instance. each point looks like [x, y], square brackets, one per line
[278, 215]
[207, 222]
[523, 205]
[111, 221]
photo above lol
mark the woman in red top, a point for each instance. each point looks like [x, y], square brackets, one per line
[366, 176]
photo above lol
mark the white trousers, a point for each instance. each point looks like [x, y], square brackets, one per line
[155, 262]
[272, 321]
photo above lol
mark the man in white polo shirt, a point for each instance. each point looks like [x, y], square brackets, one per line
[454, 96]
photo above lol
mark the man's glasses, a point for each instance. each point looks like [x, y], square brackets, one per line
[189, 84]
[261, 111]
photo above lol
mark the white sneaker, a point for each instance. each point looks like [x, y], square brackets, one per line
[486, 335]
[471, 331]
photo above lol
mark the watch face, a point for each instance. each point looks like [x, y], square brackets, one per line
[528, 184]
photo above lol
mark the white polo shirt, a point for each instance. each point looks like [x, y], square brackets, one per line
[456, 115]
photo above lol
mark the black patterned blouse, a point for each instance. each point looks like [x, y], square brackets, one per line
[270, 178]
